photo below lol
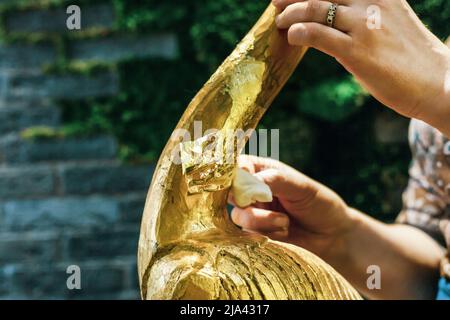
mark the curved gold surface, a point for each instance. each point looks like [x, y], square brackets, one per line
[189, 248]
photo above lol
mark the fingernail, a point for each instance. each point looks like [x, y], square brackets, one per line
[281, 223]
[235, 216]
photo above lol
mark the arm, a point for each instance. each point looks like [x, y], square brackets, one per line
[308, 214]
[408, 258]
[388, 50]
[403, 252]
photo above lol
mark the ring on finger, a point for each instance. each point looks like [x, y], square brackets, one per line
[331, 16]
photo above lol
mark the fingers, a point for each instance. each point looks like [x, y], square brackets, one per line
[283, 4]
[316, 11]
[329, 40]
[284, 181]
[306, 24]
[289, 185]
[260, 220]
[247, 163]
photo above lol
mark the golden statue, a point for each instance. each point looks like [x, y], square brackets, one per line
[189, 248]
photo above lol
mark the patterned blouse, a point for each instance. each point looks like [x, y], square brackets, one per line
[426, 201]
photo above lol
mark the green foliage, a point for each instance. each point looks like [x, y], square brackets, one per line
[333, 100]
[435, 14]
[214, 38]
[153, 15]
[368, 175]
[325, 119]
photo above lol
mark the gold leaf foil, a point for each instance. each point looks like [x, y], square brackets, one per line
[188, 247]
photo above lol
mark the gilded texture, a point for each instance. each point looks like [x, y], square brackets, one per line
[189, 248]
[242, 266]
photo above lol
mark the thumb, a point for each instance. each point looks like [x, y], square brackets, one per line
[289, 184]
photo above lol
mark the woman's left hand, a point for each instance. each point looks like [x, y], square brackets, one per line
[385, 46]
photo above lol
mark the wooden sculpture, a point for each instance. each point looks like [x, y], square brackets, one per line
[189, 248]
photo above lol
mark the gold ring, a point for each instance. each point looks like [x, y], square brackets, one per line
[331, 16]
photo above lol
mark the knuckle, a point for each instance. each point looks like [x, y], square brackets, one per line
[295, 34]
[311, 9]
[280, 20]
[311, 34]
[348, 54]
[357, 52]
[273, 176]
[358, 19]
[286, 17]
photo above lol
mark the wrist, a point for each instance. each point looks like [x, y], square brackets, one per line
[340, 253]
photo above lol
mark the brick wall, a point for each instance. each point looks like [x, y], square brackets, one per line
[66, 201]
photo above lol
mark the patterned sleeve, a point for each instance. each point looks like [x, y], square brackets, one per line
[422, 208]
[425, 200]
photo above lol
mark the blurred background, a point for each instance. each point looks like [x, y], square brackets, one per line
[84, 115]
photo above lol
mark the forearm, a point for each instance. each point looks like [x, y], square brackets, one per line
[407, 257]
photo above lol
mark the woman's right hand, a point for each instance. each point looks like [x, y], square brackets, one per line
[385, 46]
[304, 212]
[308, 214]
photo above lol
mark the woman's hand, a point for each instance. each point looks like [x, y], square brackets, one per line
[308, 214]
[392, 54]
[303, 212]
